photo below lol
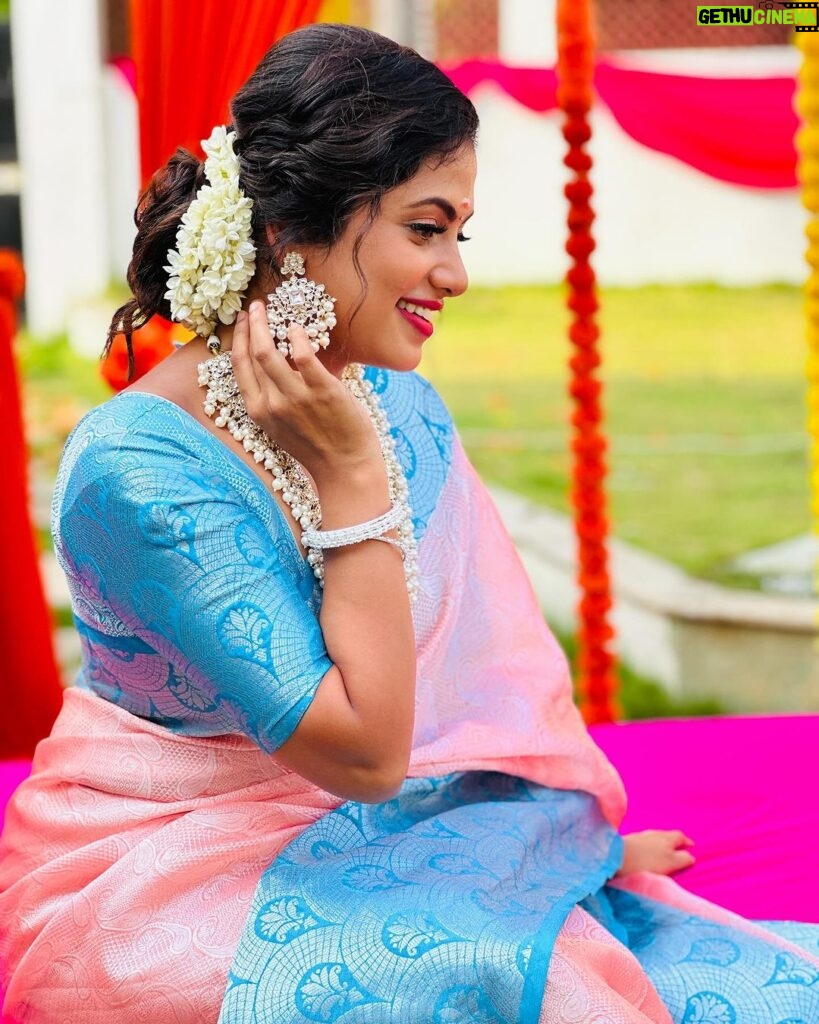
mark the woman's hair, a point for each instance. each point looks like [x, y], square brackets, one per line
[332, 118]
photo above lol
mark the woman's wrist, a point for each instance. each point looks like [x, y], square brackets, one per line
[351, 495]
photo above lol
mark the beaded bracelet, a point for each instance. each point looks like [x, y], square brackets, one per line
[371, 530]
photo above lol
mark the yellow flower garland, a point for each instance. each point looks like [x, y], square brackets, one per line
[807, 140]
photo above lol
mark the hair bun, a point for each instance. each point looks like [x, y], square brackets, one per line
[159, 211]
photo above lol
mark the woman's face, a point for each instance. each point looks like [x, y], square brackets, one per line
[409, 257]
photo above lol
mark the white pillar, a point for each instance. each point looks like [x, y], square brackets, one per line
[423, 28]
[56, 56]
[121, 124]
[528, 32]
[393, 18]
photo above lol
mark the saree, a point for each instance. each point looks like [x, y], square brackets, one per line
[160, 864]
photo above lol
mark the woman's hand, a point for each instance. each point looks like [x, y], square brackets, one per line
[303, 407]
[664, 853]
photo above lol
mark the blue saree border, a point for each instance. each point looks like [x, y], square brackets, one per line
[441, 905]
[534, 984]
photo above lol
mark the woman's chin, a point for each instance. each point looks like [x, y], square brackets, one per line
[402, 359]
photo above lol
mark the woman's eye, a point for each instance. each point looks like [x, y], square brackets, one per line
[464, 238]
[427, 230]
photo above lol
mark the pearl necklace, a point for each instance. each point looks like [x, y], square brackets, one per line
[224, 404]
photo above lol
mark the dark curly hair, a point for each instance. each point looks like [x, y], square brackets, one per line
[332, 118]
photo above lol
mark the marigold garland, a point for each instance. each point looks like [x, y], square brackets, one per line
[807, 140]
[597, 682]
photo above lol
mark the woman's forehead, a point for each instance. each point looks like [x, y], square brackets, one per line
[448, 185]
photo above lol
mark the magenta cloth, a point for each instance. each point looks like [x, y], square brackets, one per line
[759, 857]
[744, 790]
[738, 130]
[127, 68]
[12, 774]
[535, 88]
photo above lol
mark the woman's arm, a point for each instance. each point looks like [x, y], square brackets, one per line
[355, 738]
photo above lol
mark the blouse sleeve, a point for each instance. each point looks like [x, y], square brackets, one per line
[190, 562]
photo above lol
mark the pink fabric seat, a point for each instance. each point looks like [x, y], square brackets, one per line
[742, 788]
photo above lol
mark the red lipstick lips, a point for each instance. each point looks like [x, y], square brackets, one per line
[412, 316]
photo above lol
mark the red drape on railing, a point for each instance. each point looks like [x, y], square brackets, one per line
[31, 689]
[190, 57]
[739, 130]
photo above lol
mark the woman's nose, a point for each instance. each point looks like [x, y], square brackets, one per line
[449, 275]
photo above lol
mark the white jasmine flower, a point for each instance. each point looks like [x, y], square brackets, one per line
[215, 258]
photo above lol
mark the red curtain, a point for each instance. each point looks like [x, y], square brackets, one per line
[190, 57]
[739, 130]
[31, 689]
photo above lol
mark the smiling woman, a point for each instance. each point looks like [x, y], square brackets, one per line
[321, 761]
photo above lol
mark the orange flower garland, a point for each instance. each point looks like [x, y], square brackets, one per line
[151, 343]
[597, 682]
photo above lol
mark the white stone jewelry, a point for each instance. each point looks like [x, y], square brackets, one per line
[371, 530]
[224, 403]
[298, 300]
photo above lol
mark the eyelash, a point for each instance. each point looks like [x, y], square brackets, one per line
[426, 231]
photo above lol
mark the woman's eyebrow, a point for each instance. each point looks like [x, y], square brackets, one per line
[446, 208]
[443, 205]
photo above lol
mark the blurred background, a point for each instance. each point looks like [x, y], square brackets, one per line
[700, 260]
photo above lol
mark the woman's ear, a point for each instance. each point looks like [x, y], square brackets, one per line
[270, 235]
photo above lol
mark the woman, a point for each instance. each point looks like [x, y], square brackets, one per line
[303, 776]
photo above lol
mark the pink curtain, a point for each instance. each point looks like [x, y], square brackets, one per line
[738, 130]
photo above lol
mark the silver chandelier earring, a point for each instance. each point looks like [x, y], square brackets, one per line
[298, 300]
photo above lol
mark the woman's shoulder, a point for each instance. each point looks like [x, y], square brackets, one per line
[415, 411]
[128, 426]
[424, 435]
[143, 443]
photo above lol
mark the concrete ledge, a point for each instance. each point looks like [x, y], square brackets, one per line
[752, 651]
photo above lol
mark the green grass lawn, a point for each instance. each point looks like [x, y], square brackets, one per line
[705, 405]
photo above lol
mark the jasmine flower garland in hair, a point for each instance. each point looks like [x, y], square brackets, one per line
[214, 258]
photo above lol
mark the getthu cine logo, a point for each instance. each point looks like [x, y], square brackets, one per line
[803, 16]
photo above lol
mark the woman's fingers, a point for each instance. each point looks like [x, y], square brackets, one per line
[243, 368]
[269, 362]
[679, 838]
[683, 859]
[304, 358]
